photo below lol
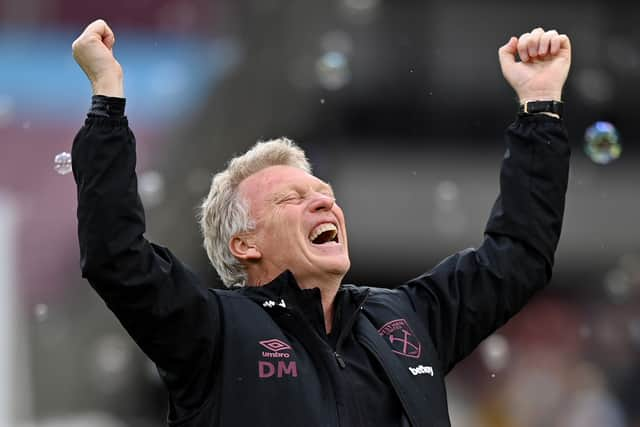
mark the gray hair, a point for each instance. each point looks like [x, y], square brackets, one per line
[224, 213]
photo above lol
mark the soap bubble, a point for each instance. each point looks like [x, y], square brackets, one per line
[495, 353]
[617, 285]
[62, 163]
[151, 188]
[111, 360]
[447, 194]
[332, 70]
[448, 217]
[41, 312]
[602, 143]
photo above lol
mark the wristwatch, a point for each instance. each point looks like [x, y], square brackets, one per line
[534, 107]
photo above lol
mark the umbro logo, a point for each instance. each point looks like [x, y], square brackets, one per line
[420, 370]
[275, 345]
[276, 363]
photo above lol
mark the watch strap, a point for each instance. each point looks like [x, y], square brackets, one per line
[535, 107]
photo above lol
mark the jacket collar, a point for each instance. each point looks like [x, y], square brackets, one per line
[283, 294]
[285, 287]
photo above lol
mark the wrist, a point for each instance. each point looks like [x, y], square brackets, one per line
[541, 96]
[109, 86]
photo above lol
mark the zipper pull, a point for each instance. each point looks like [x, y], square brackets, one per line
[340, 360]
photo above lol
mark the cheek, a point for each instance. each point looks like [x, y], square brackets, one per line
[283, 224]
[340, 214]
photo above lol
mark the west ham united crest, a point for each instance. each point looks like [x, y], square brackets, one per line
[401, 337]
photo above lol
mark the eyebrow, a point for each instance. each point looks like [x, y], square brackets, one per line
[299, 189]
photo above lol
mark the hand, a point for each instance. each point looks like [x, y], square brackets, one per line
[545, 59]
[93, 51]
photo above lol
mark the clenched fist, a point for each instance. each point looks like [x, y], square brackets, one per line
[545, 59]
[93, 51]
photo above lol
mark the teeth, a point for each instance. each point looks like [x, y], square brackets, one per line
[321, 229]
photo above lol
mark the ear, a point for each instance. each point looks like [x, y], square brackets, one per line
[244, 248]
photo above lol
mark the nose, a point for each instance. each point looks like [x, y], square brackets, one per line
[321, 202]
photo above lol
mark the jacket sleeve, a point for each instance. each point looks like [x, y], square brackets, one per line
[157, 299]
[472, 293]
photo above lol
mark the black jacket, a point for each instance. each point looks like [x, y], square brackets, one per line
[255, 356]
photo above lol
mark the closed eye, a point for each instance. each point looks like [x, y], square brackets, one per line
[291, 198]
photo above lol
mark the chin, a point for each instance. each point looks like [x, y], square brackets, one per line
[336, 267]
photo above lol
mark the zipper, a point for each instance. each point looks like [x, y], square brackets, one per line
[340, 360]
[310, 339]
[394, 382]
[347, 329]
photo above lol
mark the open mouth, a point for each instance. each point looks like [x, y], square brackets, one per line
[324, 233]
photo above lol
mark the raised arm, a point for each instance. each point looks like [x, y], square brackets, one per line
[472, 293]
[156, 298]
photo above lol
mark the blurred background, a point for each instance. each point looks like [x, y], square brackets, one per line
[400, 105]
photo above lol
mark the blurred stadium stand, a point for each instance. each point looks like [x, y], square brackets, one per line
[401, 106]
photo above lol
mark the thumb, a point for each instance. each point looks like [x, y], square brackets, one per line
[507, 53]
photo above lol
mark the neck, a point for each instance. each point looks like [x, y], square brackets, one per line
[328, 285]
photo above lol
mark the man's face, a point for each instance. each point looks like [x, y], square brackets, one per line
[299, 226]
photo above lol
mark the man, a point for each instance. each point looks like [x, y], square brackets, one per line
[293, 346]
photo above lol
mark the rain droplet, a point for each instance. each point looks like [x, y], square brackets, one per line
[41, 312]
[602, 143]
[493, 375]
[62, 163]
[322, 101]
[332, 70]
